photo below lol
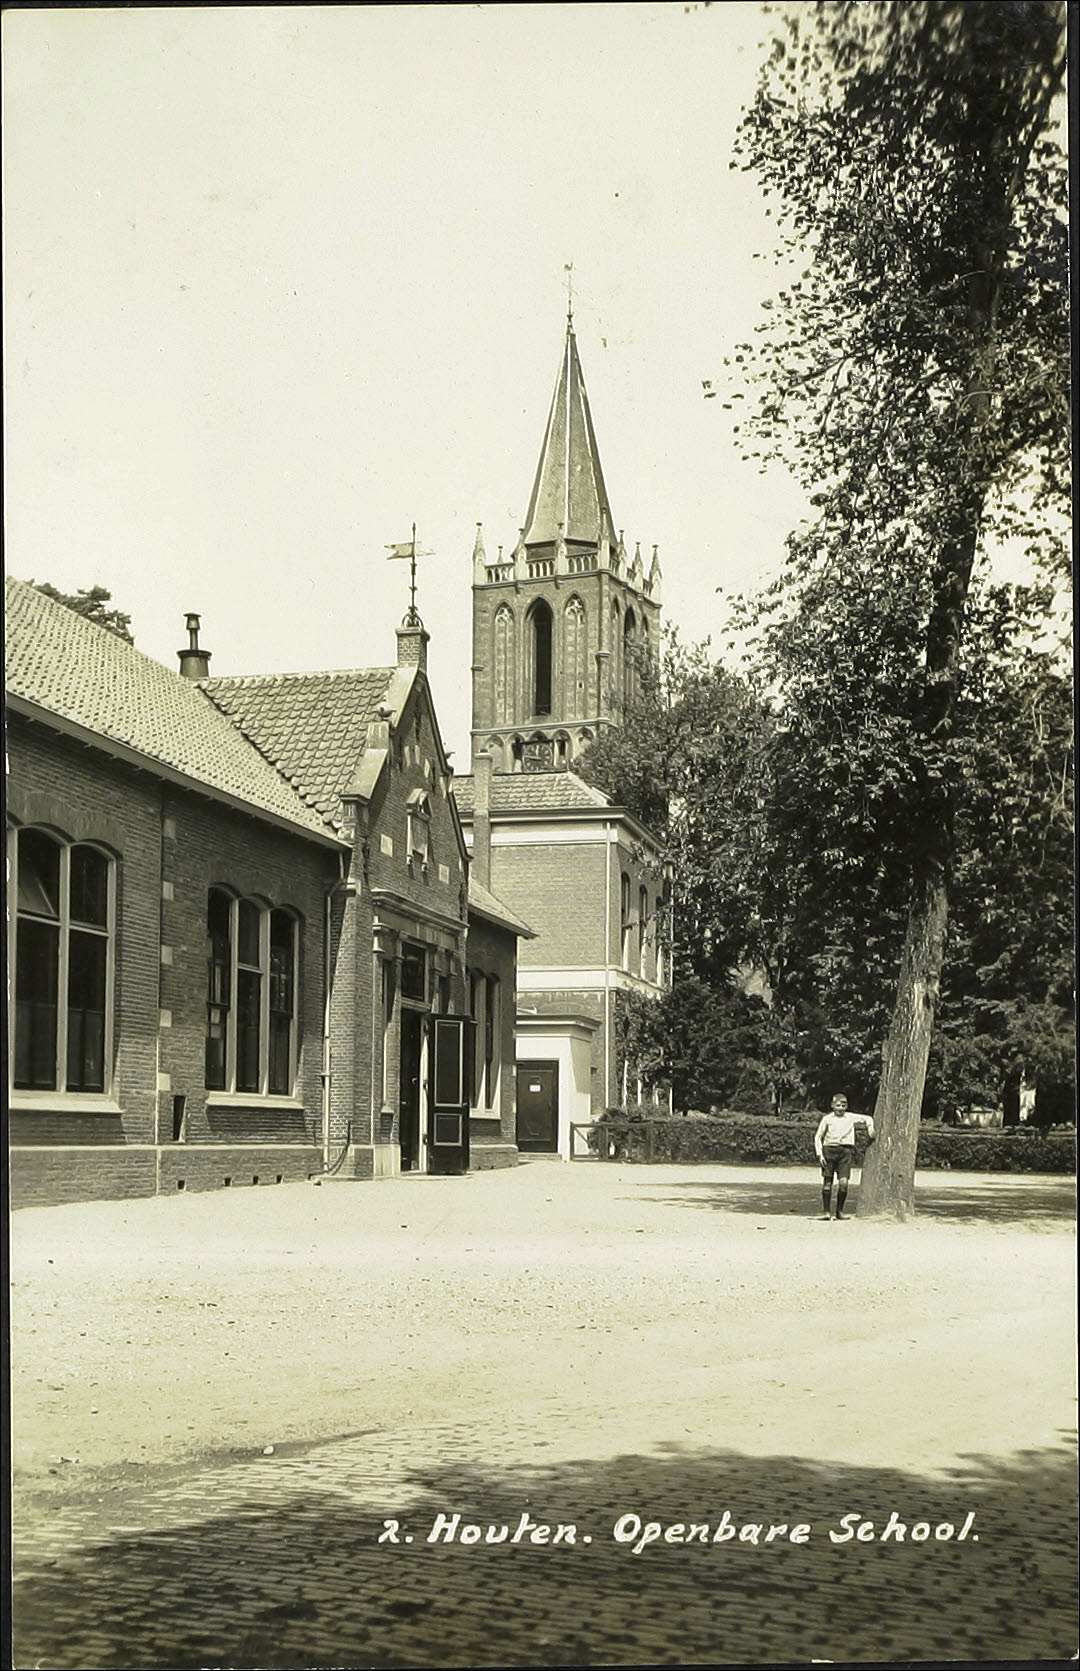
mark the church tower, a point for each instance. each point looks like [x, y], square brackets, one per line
[559, 625]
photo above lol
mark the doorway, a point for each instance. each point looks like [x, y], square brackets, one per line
[409, 1084]
[538, 1107]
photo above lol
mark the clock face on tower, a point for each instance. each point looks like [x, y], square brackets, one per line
[538, 756]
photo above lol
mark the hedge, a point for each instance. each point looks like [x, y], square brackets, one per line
[762, 1140]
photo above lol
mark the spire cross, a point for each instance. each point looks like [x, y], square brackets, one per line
[569, 271]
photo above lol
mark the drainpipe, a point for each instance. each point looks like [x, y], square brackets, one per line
[607, 975]
[339, 887]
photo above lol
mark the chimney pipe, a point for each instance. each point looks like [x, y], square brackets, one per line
[194, 662]
[481, 837]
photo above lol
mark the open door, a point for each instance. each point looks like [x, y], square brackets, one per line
[449, 1076]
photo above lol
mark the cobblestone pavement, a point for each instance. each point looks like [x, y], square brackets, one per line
[276, 1561]
[658, 1366]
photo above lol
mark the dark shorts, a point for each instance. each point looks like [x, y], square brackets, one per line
[836, 1162]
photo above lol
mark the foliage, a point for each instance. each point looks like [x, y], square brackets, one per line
[91, 603]
[684, 761]
[916, 379]
[738, 1140]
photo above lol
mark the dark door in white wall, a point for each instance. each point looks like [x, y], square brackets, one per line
[538, 1107]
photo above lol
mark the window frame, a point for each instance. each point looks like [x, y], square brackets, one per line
[261, 967]
[66, 926]
[625, 919]
[643, 933]
[418, 827]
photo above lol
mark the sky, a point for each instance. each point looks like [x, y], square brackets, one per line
[281, 281]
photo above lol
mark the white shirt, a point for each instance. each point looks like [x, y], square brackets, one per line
[840, 1128]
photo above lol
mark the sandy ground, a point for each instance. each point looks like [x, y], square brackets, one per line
[630, 1304]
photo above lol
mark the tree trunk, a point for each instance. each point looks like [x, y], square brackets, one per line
[887, 1189]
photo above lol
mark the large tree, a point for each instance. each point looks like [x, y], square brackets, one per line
[916, 378]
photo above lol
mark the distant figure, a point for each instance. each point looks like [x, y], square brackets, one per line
[834, 1144]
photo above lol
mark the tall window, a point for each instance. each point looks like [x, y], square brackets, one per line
[540, 657]
[629, 657]
[484, 1009]
[643, 918]
[575, 658]
[624, 918]
[504, 665]
[418, 834]
[64, 957]
[251, 962]
[491, 1042]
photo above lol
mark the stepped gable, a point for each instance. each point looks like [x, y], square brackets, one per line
[312, 726]
[89, 677]
[532, 792]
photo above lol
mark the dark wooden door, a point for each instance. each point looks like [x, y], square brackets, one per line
[449, 1076]
[412, 1033]
[538, 1107]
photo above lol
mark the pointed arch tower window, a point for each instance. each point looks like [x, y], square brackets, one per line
[629, 658]
[540, 637]
[575, 658]
[504, 665]
[615, 665]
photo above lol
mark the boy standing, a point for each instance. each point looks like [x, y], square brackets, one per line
[834, 1145]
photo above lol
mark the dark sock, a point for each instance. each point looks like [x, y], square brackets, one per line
[825, 1195]
[841, 1197]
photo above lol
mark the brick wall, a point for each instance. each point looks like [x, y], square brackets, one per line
[171, 846]
[205, 845]
[87, 797]
[558, 889]
[492, 951]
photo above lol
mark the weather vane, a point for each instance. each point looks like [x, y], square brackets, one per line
[569, 271]
[408, 548]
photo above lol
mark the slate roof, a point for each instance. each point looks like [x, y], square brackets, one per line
[568, 493]
[532, 792]
[313, 726]
[82, 673]
[482, 900]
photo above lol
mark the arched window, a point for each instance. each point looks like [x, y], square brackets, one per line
[540, 645]
[418, 832]
[624, 918]
[504, 666]
[643, 919]
[575, 658]
[629, 657]
[64, 963]
[252, 974]
[615, 664]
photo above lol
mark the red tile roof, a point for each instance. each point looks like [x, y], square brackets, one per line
[532, 792]
[312, 726]
[80, 672]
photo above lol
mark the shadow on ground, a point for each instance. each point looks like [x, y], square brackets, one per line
[294, 1578]
[994, 1201]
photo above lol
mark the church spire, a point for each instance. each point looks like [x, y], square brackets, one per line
[569, 500]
